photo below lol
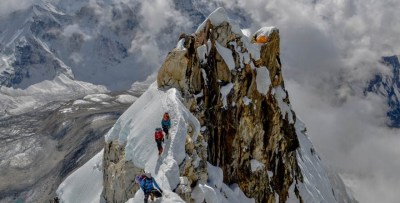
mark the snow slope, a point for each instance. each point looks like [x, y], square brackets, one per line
[316, 186]
[87, 181]
[135, 129]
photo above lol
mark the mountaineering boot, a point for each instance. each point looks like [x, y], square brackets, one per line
[152, 196]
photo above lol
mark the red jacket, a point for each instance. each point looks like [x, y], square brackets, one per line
[158, 135]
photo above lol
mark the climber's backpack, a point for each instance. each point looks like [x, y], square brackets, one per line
[156, 193]
[139, 178]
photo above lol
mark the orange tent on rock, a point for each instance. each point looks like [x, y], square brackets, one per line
[262, 39]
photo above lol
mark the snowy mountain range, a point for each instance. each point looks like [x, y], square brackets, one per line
[389, 87]
[45, 42]
[57, 50]
[235, 137]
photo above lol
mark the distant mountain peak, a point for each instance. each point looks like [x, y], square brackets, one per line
[389, 87]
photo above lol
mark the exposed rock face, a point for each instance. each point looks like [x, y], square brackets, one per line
[119, 174]
[194, 168]
[238, 130]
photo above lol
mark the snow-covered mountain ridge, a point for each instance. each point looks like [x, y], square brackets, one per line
[234, 133]
[45, 41]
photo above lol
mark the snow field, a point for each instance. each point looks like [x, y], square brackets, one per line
[85, 184]
[62, 88]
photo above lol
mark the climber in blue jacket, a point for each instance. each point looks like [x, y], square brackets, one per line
[147, 184]
[166, 124]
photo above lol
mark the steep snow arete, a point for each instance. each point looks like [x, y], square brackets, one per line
[135, 130]
[234, 136]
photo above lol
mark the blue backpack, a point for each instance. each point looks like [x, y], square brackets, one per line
[147, 184]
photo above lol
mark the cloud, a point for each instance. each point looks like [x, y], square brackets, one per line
[9, 6]
[352, 137]
[145, 48]
[158, 15]
[330, 50]
[160, 26]
[70, 30]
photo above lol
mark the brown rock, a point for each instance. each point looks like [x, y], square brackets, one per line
[238, 133]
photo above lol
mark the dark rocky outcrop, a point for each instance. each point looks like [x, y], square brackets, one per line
[237, 131]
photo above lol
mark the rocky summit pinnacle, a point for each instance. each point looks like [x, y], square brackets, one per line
[241, 102]
[234, 135]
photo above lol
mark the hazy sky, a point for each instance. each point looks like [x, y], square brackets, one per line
[330, 49]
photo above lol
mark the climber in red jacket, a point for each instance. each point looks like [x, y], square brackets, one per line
[159, 138]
